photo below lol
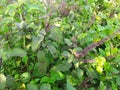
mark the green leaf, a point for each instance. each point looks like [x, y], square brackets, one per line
[45, 86]
[52, 50]
[68, 41]
[56, 75]
[42, 67]
[10, 82]
[10, 10]
[5, 28]
[114, 86]
[80, 73]
[25, 77]
[102, 86]
[90, 88]
[16, 52]
[114, 70]
[45, 79]
[55, 88]
[25, 60]
[41, 56]
[118, 80]
[2, 81]
[63, 66]
[7, 20]
[100, 61]
[57, 35]
[102, 52]
[31, 86]
[34, 7]
[65, 54]
[20, 25]
[36, 42]
[42, 62]
[69, 86]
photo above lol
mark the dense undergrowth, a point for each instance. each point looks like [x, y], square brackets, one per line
[60, 45]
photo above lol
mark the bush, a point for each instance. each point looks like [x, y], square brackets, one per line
[60, 45]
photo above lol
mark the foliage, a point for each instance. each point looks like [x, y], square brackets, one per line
[59, 44]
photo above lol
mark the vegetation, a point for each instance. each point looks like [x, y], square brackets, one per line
[60, 45]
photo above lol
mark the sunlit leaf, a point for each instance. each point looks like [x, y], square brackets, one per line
[100, 61]
[2, 81]
[36, 42]
[11, 9]
[25, 77]
[69, 85]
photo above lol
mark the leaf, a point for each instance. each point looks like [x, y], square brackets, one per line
[102, 52]
[42, 62]
[25, 60]
[16, 52]
[118, 80]
[52, 50]
[31, 86]
[10, 82]
[80, 73]
[100, 61]
[25, 77]
[63, 66]
[36, 42]
[56, 75]
[10, 10]
[69, 86]
[34, 7]
[41, 56]
[114, 51]
[7, 20]
[45, 86]
[82, 35]
[91, 88]
[23, 87]
[114, 86]
[42, 67]
[65, 54]
[2, 81]
[68, 42]
[114, 70]
[102, 86]
[45, 79]
[56, 34]
[5, 28]
[20, 25]
[36, 71]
